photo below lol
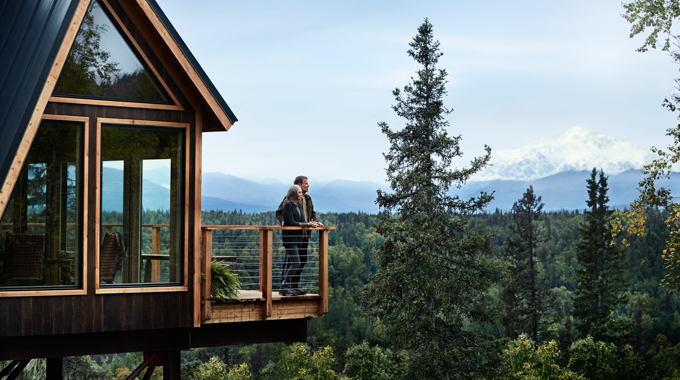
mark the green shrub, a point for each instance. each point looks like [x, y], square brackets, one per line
[371, 363]
[224, 283]
[522, 360]
[297, 362]
[601, 361]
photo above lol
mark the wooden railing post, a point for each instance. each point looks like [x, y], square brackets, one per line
[156, 250]
[323, 271]
[260, 274]
[206, 261]
[266, 236]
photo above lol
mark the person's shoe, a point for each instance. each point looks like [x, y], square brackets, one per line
[286, 291]
[300, 292]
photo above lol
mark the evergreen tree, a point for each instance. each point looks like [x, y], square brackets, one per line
[601, 278]
[527, 301]
[432, 273]
[567, 336]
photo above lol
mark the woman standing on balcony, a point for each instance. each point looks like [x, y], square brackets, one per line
[292, 239]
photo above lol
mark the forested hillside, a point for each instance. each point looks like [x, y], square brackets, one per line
[344, 341]
[655, 316]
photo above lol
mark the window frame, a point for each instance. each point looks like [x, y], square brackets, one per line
[142, 287]
[132, 43]
[84, 204]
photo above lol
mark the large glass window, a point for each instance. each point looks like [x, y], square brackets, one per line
[40, 230]
[101, 64]
[141, 205]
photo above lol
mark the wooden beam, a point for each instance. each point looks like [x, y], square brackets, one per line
[215, 227]
[10, 366]
[196, 220]
[115, 103]
[142, 366]
[284, 308]
[162, 52]
[149, 289]
[18, 369]
[34, 121]
[222, 334]
[173, 366]
[149, 123]
[97, 200]
[185, 64]
[208, 335]
[64, 345]
[148, 373]
[155, 250]
[186, 225]
[266, 270]
[55, 369]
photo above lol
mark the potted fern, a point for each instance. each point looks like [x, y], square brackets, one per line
[224, 283]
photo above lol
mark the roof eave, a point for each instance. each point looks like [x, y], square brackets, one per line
[186, 59]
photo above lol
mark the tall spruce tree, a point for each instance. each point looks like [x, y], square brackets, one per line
[527, 301]
[601, 278]
[432, 273]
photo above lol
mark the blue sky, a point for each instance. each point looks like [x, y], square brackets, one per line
[310, 80]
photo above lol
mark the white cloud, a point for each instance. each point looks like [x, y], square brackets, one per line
[577, 149]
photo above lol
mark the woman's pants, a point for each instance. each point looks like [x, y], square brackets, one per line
[292, 263]
[302, 254]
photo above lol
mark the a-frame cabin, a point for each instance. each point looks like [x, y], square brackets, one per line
[96, 96]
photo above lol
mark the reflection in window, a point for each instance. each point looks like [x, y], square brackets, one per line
[141, 205]
[40, 234]
[102, 64]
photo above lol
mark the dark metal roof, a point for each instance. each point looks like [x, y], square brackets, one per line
[31, 32]
[192, 60]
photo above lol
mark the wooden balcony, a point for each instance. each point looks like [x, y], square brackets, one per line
[258, 261]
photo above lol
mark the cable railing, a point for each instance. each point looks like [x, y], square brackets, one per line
[257, 257]
[240, 249]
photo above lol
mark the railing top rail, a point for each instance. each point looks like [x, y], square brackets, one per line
[143, 225]
[264, 228]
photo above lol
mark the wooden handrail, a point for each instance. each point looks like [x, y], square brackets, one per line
[143, 225]
[265, 264]
[103, 224]
[265, 228]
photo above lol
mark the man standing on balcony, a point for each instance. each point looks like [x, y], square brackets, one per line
[309, 216]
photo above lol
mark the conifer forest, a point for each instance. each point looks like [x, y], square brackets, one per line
[638, 339]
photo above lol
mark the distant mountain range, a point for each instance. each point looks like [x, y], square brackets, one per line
[155, 196]
[565, 190]
[225, 192]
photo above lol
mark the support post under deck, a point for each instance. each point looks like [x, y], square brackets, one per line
[55, 369]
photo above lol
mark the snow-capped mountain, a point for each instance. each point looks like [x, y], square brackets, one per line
[576, 150]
